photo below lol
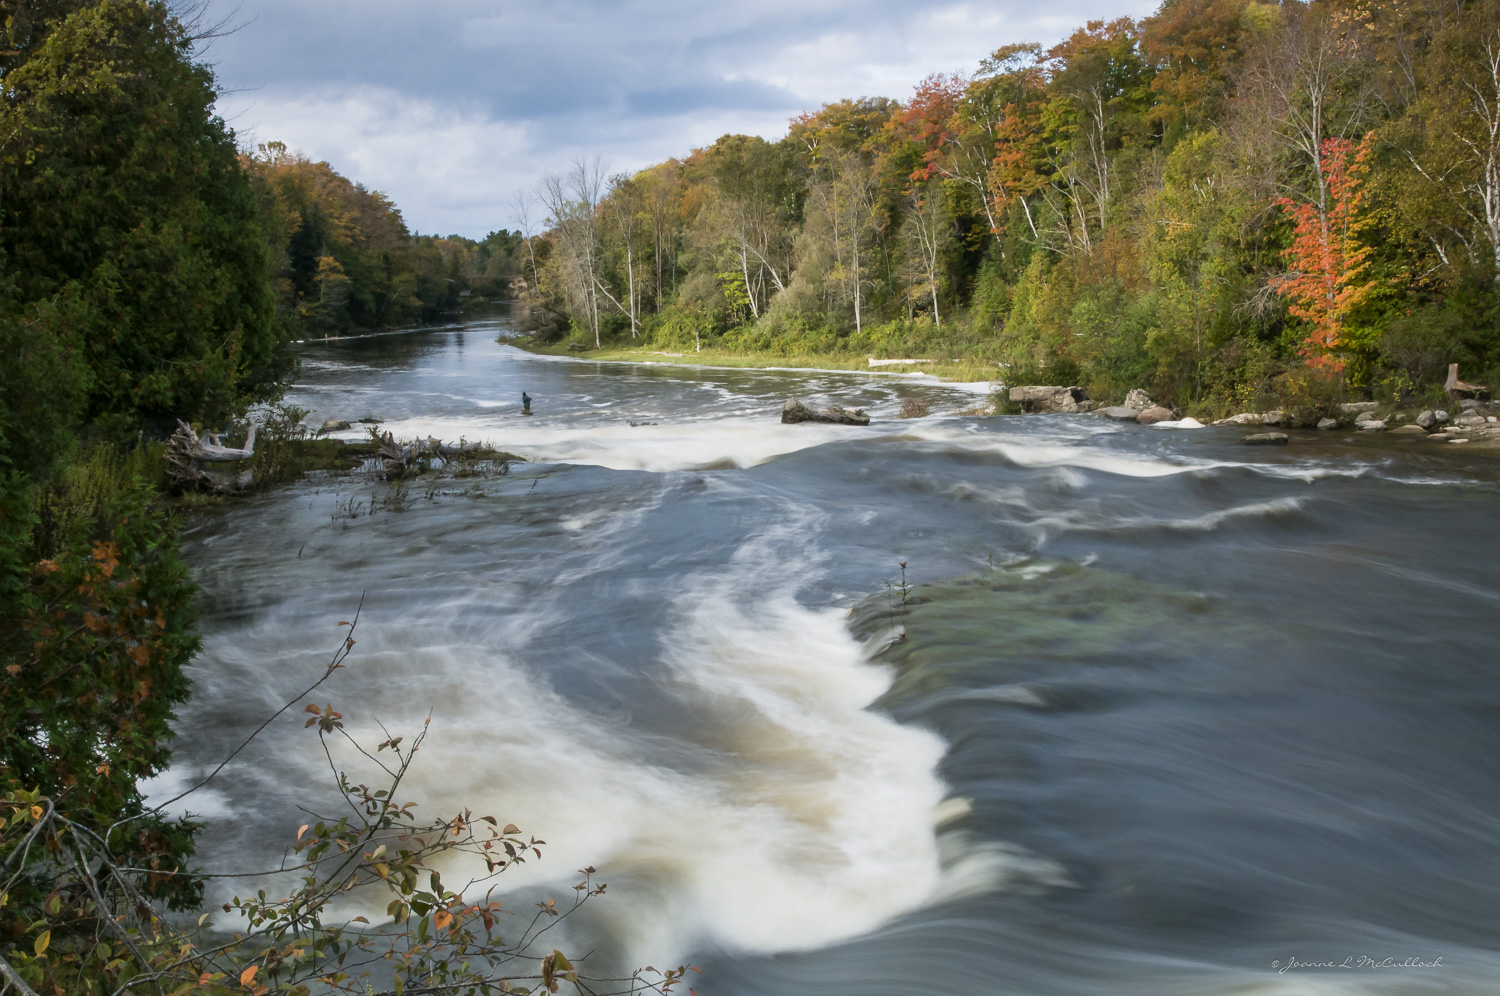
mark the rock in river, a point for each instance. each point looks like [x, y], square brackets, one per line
[1266, 439]
[795, 411]
[1122, 412]
[1328, 423]
[1039, 398]
[1153, 415]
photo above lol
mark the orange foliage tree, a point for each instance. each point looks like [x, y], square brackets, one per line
[1328, 262]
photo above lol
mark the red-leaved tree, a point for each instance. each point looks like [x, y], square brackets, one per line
[1327, 261]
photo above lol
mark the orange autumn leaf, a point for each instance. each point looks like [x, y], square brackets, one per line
[248, 975]
[441, 919]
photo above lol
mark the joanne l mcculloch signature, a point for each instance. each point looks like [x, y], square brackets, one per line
[1356, 962]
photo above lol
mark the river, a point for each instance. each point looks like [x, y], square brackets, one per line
[1172, 715]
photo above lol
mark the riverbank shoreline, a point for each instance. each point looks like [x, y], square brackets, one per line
[927, 368]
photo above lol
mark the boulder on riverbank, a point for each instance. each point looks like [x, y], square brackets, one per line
[1122, 412]
[794, 412]
[1153, 415]
[1038, 398]
[1432, 419]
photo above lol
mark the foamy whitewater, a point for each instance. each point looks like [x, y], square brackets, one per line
[1170, 714]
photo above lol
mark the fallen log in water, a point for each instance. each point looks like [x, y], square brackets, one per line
[795, 411]
[402, 456]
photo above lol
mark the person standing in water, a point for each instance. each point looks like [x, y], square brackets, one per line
[525, 403]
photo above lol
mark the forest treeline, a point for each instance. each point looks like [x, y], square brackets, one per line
[1229, 203]
[342, 259]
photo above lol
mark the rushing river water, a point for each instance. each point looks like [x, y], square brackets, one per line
[1171, 712]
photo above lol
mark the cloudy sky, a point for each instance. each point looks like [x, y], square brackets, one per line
[453, 106]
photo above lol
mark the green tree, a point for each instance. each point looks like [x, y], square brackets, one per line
[127, 228]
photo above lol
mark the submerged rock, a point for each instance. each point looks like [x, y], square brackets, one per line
[334, 425]
[795, 411]
[1409, 430]
[1265, 439]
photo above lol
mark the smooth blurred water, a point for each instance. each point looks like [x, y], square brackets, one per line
[1170, 711]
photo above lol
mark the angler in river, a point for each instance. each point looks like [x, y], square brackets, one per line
[1169, 711]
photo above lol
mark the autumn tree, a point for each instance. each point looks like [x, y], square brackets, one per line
[572, 204]
[1327, 261]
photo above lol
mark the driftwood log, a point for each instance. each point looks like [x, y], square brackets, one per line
[402, 456]
[795, 411]
[187, 452]
[1458, 389]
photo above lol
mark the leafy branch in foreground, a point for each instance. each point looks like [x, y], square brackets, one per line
[84, 919]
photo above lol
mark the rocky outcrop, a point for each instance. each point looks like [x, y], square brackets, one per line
[794, 412]
[1139, 400]
[1037, 398]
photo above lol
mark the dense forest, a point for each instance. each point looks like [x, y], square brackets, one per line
[1227, 203]
[342, 259]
